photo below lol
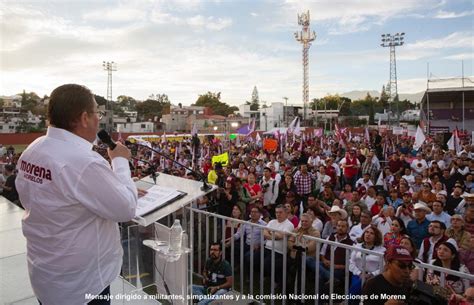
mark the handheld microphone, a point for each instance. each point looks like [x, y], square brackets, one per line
[107, 140]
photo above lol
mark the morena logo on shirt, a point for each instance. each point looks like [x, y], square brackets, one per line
[34, 172]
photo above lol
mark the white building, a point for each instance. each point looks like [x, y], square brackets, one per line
[175, 120]
[136, 127]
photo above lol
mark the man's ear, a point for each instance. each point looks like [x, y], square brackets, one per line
[83, 119]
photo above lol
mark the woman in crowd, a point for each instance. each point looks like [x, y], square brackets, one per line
[354, 219]
[241, 172]
[254, 189]
[448, 257]
[232, 226]
[290, 210]
[227, 197]
[439, 189]
[371, 240]
[426, 195]
[458, 233]
[408, 243]
[286, 185]
[243, 197]
[318, 218]
[395, 236]
[346, 194]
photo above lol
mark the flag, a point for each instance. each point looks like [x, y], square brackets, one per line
[367, 135]
[270, 145]
[419, 138]
[454, 142]
[194, 130]
[222, 159]
[237, 141]
[295, 127]
[119, 138]
[318, 132]
[379, 122]
[350, 136]
[251, 127]
[163, 137]
[258, 139]
[381, 180]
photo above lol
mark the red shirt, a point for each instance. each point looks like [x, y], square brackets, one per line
[254, 189]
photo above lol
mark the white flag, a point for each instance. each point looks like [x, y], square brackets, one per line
[367, 135]
[258, 139]
[295, 126]
[419, 138]
[454, 143]
[194, 130]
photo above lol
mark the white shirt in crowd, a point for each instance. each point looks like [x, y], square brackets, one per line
[419, 165]
[372, 262]
[286, 226]
[314, 161]
[363, 183]
[443, 217]
[73, 201]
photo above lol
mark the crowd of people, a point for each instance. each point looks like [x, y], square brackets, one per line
[375, 195]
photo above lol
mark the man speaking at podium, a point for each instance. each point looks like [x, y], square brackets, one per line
[73, 201]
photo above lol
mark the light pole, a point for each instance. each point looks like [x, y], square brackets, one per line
[305, 37]
[392, 41]
[109, 66]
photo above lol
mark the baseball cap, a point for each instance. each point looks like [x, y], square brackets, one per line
[398, 253]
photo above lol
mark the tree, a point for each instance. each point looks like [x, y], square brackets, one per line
[365, 106]
[153, 106]
[213, 101]
[255, 100]
[100, 100]
[127, 101]
[29, 101]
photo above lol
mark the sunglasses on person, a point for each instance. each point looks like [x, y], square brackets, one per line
[404, 266]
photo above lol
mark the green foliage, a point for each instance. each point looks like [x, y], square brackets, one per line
[152, 107]
[127, 101]
[100, 100]
[29, 101]
[255, 100]
[364, 107]
[213, 101]
[332, 102]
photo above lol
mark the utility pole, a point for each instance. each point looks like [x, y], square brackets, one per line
[109, 66]
[305, 37]
[392, 41]
[285, 113]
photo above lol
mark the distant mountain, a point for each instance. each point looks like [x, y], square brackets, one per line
[360, 94]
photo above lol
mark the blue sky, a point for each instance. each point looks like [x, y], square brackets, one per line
[186, 48]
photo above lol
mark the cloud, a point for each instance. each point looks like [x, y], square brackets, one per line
[209, 23]
[253, 14]
[115, 14]
[449, 15]
[460, 56]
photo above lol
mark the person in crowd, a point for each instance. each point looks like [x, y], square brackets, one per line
[216, 175]
[357, 230]
[241, 172]
[419, 164]
[418, 228]
[290, 211]
[395, 279]
[393, 200]
[406, 211]
[456, 200]
[232, 226]
[346, 194]
[355, 200]
[354, 218]
[303, 181]
[364, 183]
[274, 240]
[243, 197]
[350, 167]
[396, 233]
[368, 266]
[429, 246]
[287, 185]
[439, 189]
[252, 235]
[370, 197]
[254, 189]
[269, 189]
[227, 197]
[439, 214]
[395, 164]
[368, 167]
[299, 243]
[339, 236]
[426, 195]
[383, 221]
[335, 214]
[317, 216]
[448, 257]
[9, 188]
[216, 276]
[457, 232]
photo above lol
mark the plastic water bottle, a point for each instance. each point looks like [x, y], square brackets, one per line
[176, 236]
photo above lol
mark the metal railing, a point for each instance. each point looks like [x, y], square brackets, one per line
[205, 227]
